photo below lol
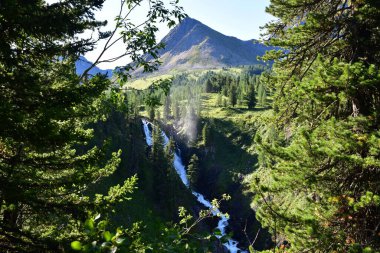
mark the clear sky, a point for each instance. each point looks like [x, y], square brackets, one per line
[239, 18]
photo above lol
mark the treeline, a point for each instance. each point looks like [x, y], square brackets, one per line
[241, 87]
[180, 102]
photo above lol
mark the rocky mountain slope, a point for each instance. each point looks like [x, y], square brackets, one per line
[193, 45]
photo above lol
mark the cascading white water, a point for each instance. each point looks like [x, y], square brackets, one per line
[231, 245]
[148, 136]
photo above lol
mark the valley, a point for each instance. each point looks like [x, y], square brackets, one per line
[197, 104]
[195, 137]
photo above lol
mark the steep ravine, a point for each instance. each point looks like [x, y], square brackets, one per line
[218, 166]
[231, 245]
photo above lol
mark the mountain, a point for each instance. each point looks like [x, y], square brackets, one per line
[82, 64]
[193, 45]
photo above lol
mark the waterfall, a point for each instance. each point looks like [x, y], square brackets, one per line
[231, 245]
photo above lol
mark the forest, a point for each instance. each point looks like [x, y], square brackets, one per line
[275, 154]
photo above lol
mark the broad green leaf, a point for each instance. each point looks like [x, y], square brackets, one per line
[107, 236]
[89, 224]
[76, 245]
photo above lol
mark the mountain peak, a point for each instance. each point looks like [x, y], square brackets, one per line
[180, 31]
[193, 45]
[188, 22]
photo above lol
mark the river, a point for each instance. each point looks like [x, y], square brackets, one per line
[231, 245]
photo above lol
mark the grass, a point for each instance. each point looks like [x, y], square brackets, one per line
[234, 129]
[144, 83]
[242, 119]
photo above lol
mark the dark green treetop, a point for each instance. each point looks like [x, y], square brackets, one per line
[251, 97]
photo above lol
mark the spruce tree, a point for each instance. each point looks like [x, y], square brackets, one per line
[261, 93]
[193, 170]
[232, 95]
[159, 165]
[318, 185]
[251, 97]
[174, 184]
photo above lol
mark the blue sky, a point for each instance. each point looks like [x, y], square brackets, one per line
[239, 18]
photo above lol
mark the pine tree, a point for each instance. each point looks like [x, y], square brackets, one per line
[174, 185]
[159, 165]
[318, 182]
[152, 113]
[225, 91]
[193, 170]
[232, 96]
[167, 105]
[46, 111]
[209, 86]
[251, 97]
[261, 93]
[263, 98]
[206, 135]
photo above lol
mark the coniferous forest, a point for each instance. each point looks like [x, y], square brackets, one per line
[202, 142]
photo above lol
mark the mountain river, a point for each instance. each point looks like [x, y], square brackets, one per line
[231, 245]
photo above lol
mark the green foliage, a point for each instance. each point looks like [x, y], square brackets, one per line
[167, 106]
[188, 223]
[206, 135]
[224, 102]
[208, 87]
[153, 96]
[219, 101]
[251, 97]
[48, 158]
[232, 96]
[238, 85]
[168, 188]
[193, 170]
[318, 181]
[262, 94]
[75, 245]
[98, 238]
[229, 156]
